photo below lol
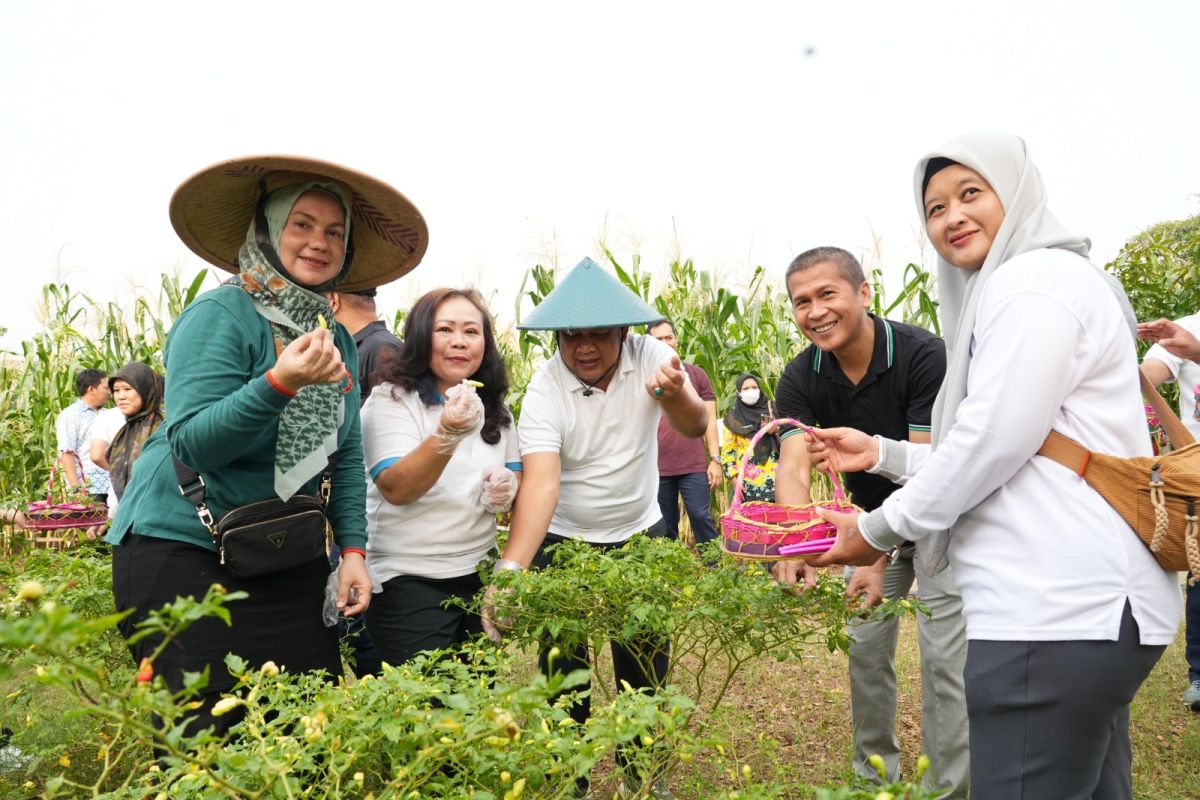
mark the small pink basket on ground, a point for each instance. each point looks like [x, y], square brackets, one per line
[757, 531]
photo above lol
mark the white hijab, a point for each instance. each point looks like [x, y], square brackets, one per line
[1003, 161]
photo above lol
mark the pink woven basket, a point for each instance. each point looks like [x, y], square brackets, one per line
[83, 512]
[757, 530]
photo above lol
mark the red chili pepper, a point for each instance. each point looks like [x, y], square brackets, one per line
[145, 672]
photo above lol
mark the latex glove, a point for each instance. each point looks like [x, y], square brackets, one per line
[461, 415]
[497, 489]
[493, 626]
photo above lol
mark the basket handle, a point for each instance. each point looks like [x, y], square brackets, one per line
[54, 471]
[771, 426]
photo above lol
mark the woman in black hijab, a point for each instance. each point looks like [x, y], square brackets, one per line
[137, 390]
[751, 410]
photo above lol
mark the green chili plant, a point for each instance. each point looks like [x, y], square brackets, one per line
[718, 614]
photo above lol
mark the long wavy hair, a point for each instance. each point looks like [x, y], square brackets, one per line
[408, 370]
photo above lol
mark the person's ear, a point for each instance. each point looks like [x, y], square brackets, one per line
[335, 300]
[864, 292]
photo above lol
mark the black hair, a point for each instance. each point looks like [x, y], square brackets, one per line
[933, 167]
[409, 368]
[88, 379]
[847, 265]
[661, 321]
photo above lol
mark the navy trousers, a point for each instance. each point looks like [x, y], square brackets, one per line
[696, 499]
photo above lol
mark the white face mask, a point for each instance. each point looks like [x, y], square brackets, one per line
[749, 396]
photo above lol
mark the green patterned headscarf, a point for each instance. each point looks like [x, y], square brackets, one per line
[309, 423]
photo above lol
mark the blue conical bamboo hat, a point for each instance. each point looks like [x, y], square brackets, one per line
[589, 298]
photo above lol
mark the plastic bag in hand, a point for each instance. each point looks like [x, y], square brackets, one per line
[329, 610]
[497, 489]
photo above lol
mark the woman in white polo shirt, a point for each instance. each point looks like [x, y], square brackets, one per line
[441, 450]
[1067, 611]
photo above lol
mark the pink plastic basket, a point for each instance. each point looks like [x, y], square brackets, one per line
[757, 530]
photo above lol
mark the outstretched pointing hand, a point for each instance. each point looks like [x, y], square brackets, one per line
[667, 382]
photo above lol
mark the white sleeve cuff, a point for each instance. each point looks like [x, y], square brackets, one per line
[893, 460]
[877, 531]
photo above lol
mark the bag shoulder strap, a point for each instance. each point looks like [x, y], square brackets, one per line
[1176, 431]
[1074, 456]
[1066, 451]
[192, 486]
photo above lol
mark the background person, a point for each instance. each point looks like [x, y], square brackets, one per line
[137, 413]
[74, 430]
[137, 392]
[357, 312]
[750, 411]
[443, 462]
[1062, 629]
[1174, 357]
[260, 399]
[688, 467]
[880, 377]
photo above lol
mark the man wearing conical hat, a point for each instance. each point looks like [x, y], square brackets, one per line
[589, 435]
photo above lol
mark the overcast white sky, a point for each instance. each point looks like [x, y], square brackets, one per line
[736, 134]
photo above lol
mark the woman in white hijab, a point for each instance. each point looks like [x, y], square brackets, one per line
[1067, 611]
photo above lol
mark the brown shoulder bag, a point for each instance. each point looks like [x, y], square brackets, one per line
[1156, 495]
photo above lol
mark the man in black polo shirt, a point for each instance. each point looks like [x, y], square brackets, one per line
[880, 377]
[356, 311]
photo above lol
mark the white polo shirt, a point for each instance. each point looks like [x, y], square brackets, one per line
[1184, 371]
[446, 532]
[608, 443]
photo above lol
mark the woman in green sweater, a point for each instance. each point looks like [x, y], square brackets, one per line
[257, 387]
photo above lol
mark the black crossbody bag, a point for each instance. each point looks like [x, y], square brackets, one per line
[269, 535]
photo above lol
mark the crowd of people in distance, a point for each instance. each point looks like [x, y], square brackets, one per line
[1035, 645]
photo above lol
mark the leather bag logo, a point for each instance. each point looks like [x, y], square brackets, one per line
[277, 539]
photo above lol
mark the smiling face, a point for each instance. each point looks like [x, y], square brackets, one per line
[457, 346]
[591, 353]
[962, 215]
[126, 398]
[829, 310]
[312, 243]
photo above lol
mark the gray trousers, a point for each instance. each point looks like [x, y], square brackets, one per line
[1051, 719]
[943, 642]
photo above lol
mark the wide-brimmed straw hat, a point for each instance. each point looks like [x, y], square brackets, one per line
[211, 212]
[589, 298]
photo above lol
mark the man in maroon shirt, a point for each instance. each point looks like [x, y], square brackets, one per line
[688, 467]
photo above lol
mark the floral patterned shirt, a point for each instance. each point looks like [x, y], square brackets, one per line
[759, 480]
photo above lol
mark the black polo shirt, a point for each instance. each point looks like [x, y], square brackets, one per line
[372, 339]
[894, 397]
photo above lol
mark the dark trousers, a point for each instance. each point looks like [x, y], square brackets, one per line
[364, 658]
[629, 663]
[696, 500]
[408, 616]
[280, 621]
[1051, 719]
[1191, 635]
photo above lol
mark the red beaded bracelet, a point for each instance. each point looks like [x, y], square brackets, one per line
[358, 550]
